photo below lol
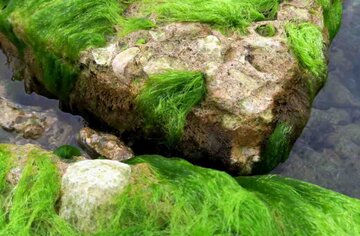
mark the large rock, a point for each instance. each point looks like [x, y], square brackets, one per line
[254, 82]
[89, 190]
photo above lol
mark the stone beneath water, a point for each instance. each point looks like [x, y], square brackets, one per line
[13, 118]
[27, 124]
[105, 145]
[88, 191]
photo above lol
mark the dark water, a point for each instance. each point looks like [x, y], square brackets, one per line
[66, 127]
[328, 152]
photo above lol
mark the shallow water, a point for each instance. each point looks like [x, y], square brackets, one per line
[327, 153]
[67, 125]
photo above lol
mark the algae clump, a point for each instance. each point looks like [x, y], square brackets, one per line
[30, 208]
[332, 12]
[276, 149]
[306, 41]
[223, 14]
[166, 100]
[67, 152]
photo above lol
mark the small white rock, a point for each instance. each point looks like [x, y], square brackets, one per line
[103, 56]
[123, 59]
[88, 190]
[210, 45]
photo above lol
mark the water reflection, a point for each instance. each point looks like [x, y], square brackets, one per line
[328, 152]
[65, 128]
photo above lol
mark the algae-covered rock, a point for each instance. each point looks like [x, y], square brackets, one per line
[102, 57]
[88, 191]
[28, 196]
[18, 156]
[163, 196]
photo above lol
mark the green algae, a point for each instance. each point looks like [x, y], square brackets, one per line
[276, 149]
[305, 209]
[177, 198]
[134, 24]
[67, 152]
[5, 166]
[332, 12]
[30, 208]
[173, 197]
[223, 14]
[306, 41]
[268, 30]
[58, 75]
[166, 100]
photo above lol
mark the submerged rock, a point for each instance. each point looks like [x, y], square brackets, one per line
[105, 145]
[28, 123]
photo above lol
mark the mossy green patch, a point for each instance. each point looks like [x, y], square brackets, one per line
[332, 12]
[67, 152]
[223, 14]
[134, 24]
[276, 149]
[301, 208]
[166, 100]
[5, 166]
[267, 30]
[307, 43]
